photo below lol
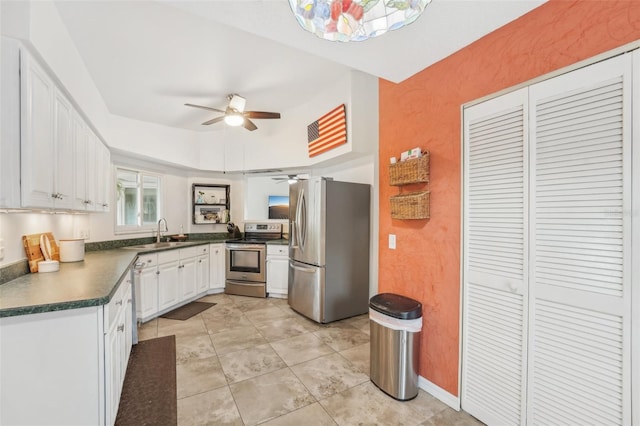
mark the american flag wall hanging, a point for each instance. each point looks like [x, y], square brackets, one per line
[327, 132]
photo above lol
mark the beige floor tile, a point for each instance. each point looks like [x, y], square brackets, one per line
[215, 407]
[361, 322]
[280, 328]
[242, 365]
[359, 356]
[328, 375]
[235, 340]
[220, 299]
[270, 395]
[342, 337]
[225, 311]
[217, 324]
[366, 404]
[260, 316]
[301, 348]
[199, 375]
[193, 347]
[190, 327]
[148, 330]
[427, 405]
[451, 417]
[311, 415]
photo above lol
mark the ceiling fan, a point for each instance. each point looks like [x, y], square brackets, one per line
[235, 115]
[290, 178]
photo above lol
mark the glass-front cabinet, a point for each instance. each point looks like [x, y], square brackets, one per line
[210, 203]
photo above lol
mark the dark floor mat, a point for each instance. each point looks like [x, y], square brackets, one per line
[187, 311]
[149, 394]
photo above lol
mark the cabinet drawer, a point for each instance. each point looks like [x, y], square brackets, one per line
[204, 249]
[115, 305]
[188, 252]
[148, 260]
[167, 256]
[277, 250]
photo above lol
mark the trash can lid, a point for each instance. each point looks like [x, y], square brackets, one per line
[396, 306]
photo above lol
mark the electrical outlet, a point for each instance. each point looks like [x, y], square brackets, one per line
[84, 234]
[1, 249]
[392, 241]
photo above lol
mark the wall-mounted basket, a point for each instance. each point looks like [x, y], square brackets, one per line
[410, 171]
[414, 205]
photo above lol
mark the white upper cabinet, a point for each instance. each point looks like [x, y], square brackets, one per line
[63, 145]
[63, 163]
[37, 143]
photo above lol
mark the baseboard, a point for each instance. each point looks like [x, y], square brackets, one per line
[437, 392]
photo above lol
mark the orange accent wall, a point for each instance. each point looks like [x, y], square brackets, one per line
[425, 111]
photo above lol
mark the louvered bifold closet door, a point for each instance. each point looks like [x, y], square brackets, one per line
[579, 335]
[495, 259]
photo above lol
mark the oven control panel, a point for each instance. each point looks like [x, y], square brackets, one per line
[263, 227]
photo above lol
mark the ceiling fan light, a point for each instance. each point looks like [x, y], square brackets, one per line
[234, 119]
[354, 20]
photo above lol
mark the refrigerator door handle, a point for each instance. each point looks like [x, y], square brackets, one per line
[294, 236]
[302, 268]
[302, 220]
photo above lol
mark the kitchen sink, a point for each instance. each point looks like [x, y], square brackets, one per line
[160, 245]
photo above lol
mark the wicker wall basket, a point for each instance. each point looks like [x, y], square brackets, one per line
[410, 171]
[414, 205]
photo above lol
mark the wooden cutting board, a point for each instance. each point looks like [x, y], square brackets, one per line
[32, 248]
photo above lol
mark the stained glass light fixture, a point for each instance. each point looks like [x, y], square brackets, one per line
[355, 20]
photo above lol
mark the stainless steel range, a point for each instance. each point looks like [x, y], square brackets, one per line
[246, 271]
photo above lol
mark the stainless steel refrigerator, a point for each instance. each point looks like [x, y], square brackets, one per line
[329, 249]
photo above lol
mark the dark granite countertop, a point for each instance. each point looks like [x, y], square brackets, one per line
[91, 282]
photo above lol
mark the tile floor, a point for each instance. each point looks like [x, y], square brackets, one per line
[250, 361]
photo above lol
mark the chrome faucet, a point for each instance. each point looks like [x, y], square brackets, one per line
[159, 236]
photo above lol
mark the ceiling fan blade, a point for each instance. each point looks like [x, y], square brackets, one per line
[205, 107]
[248, 124]
[213, 120]
[261, 114]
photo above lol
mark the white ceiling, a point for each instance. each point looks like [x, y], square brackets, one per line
[148, 58]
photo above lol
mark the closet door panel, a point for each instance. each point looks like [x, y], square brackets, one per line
[580, 282]
[495, 260]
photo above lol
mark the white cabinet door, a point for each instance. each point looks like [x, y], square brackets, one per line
[80, 166]
[112, 372]
[216, 267]
[168, 285]
[202, 274]
[37, 126]
[495, 260]
[147, 293]
[278, 275]
[63, 144]
[91, 182]
[580, 288]
[188, 278]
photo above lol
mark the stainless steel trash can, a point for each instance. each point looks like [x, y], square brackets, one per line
[396, 323]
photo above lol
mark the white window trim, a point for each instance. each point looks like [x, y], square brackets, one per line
[141, 227]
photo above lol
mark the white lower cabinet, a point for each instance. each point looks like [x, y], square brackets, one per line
[202, 269]
[187, 273]
[216, 268]
[147, 288]
[86, 349]
[277, 270]
[117, 341]
[168, 279]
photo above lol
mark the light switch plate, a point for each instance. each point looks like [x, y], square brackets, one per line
[392, 241]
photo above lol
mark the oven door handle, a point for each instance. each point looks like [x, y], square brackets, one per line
[245, 246]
